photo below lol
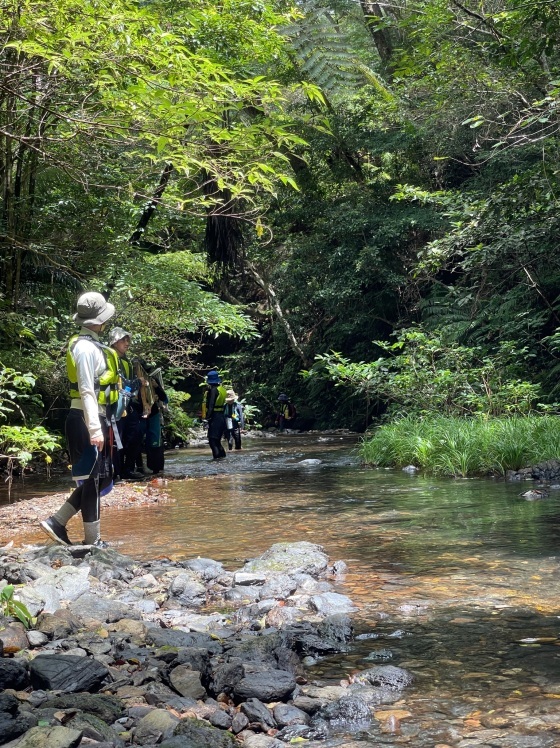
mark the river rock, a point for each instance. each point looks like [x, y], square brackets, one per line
[13, 674]
[309, 462]
[262, 741]
[66, 673]
[348, 710]
[37, 638]
[13, 638]
[57, 625]
[287, 714]
[239, 722]
[331, 603]
[271, 685]
[290, 558]
[66, 583]
[155, 726]
[94, 728]
[173, 638]
[257, 713]
[206, 568]
[225, 676]
[50, 737]
[197, 734]
[92, 610]
[220, 718]
[12, 723]
[385, 676]
[245, 578]
[187, 682]
[188, 591]
[107, 708]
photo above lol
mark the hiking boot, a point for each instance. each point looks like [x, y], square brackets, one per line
[55, 531]
[132, 476]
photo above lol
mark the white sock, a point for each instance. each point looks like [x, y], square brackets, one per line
[65, 514]
[92, 532]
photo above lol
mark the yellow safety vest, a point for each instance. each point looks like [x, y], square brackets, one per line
[109, 383]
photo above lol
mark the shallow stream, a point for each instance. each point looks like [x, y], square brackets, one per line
[456, 580]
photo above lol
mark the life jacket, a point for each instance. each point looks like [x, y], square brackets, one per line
[108, 385]
[288, 410]
[220, 403]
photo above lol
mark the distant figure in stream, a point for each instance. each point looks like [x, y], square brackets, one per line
[93, 371]
[235, 421]
[287, 413]
[153, 396]
[213, 405]
[124, 459]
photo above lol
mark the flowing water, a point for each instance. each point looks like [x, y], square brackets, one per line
[456, 580]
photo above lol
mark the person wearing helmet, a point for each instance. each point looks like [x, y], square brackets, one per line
[213, 411]
[94, 382]
[287, 414]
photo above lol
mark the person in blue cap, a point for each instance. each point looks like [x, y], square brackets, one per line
[213, 411]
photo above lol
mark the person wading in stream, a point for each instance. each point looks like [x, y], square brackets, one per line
[213, 405]
[93, 371]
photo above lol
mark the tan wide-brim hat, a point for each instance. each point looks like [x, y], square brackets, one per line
[231, 396]
[118, 333]
[92, 309]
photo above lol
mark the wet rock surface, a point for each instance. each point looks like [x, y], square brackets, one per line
[140, 653]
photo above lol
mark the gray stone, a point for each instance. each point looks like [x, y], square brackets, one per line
[280, 586]
[66, 583]
[349, 709]
[36, 638]
[221, 719]
[91, 610]
[50, 737]
[57, 625]
[239, 722]
[243, 578]
[187, 682]
[287, 714]
[385, 676]
[187, 590]
[94, 728]
[66, 673]
[331, 603]
[309, 462]
[173, 638]
[205, 568]
[197, 734]
[290, 558]
[271, 685]
[227, 675]
[13, 674]
[262, 741]
[107, 708]
[257, 713]
[155, 726]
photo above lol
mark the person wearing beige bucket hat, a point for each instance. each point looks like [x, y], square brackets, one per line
[93, 372]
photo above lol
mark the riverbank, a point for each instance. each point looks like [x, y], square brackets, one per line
[180, 653]
[20, 517]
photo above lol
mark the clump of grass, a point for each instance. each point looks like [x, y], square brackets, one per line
[462, 447]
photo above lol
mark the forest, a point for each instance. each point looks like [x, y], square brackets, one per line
[353, 202]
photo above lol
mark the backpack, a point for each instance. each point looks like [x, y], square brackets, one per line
[292, 412]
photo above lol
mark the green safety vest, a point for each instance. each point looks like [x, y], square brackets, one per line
[220, 401]
[109, 383]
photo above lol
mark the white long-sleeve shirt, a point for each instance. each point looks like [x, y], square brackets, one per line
[90, 365]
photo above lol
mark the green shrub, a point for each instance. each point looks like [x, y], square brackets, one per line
[461, 447]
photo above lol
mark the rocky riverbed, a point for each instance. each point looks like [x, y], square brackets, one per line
[177, 654]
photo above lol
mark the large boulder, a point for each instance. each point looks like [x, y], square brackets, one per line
[53, 737]
[107, 708]
[92, 610]
[290, 558]
[187, 682]
[270, 685]
[66, 673]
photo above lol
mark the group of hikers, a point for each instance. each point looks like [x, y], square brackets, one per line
[116, 414]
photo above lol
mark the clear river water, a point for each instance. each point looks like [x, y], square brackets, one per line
[457, 581]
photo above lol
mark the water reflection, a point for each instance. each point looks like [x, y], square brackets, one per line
[457, 580]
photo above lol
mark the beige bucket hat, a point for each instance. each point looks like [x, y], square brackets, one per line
[92, 309]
